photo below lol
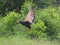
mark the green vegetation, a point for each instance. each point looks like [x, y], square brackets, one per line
[24, 41]
[45, 29]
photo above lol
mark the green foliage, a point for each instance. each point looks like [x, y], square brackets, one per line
[7, 23]
[46, 22]
[44, 3]
[16, 40]
[25, 9]
[10, 5]
[38, 30]
[50, 17]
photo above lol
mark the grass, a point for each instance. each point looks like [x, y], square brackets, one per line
[23, 41]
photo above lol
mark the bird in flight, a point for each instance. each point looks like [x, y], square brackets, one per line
[29, 18]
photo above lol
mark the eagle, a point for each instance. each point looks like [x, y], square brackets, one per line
[29, 18]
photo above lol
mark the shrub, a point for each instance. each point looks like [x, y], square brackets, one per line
[50, 17]
[38, 30]
[7, 23]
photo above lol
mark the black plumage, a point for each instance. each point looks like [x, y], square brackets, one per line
[27, 24]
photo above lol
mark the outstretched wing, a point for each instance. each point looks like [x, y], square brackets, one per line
[29, 19]
[30, 16]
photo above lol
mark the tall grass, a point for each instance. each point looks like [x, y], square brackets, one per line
[24, 41]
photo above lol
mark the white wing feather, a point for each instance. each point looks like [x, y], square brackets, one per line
[30, 16]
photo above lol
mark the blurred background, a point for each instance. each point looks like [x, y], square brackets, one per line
[46, 23]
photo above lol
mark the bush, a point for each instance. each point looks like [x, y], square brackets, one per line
[50, 17]
[7, 23]
[46, 23]
[38, 30]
